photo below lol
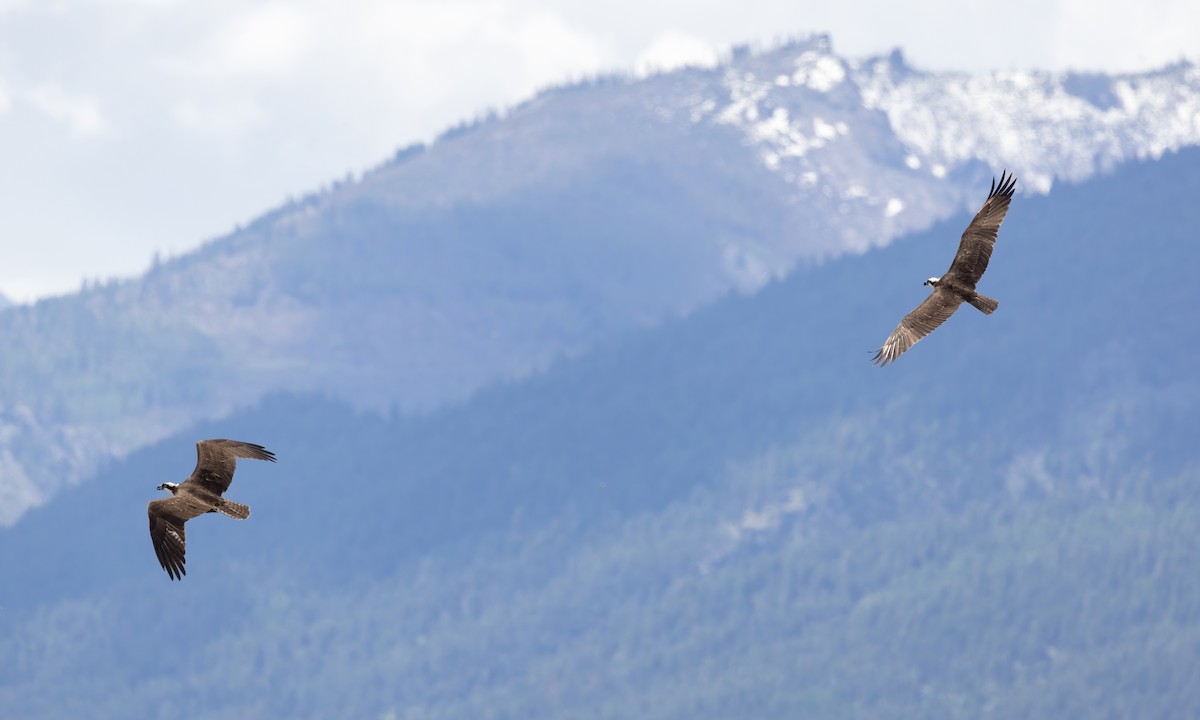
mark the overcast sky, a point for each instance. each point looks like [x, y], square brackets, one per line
[134, 126]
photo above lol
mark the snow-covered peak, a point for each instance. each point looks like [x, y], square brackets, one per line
[1047, 126]
[889, 148]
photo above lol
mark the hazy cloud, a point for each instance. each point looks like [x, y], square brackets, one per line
[269, 40]
[1125, 39]
[674, 49]
[81, 113]
[228, 117]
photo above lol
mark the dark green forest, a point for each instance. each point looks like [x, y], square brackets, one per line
[733, 514]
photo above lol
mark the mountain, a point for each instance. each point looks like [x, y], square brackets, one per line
[587, 212]
[731, 514]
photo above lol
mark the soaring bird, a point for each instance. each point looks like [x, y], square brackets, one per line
[958, 284]
[200, 493]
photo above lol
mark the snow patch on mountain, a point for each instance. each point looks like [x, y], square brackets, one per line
[881, 149]
[818, 70]
[1034, 122]
[1045, 126]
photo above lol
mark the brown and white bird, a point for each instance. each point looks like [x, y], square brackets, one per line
[199, 494]
[958, 284]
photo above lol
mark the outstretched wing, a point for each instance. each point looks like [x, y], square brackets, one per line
[975, 247]
[940, 305]
[167, 517]
[217, 459]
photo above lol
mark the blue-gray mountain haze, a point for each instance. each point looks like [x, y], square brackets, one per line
[633, 459]
[581, 214]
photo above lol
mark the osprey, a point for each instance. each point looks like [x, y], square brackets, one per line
[199, 494]
[958, 284]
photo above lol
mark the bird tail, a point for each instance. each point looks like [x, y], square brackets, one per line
[235, 510]
[984, 304]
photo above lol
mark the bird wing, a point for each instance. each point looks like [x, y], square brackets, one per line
[217, 459]
[975, 247]
[167, 517]
[940, 305]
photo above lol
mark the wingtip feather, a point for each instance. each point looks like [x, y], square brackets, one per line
[1006, 185]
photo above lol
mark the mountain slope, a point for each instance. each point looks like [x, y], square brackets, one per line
[581, 214]
[733, 513]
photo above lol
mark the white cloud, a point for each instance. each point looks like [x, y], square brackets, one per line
[1133, 38]
[268, 40]
[674, 49]
[80, 112]
[227, 117]
[132, 3]
[551, 46]
[375, 62]
[483, 47]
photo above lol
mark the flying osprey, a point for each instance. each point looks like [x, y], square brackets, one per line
[958, 284]
[200, 493]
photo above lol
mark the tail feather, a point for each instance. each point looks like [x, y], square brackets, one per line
[984, 304]
[235, 510]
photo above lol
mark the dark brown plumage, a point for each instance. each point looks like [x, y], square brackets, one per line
[958, 284]
[201, 493]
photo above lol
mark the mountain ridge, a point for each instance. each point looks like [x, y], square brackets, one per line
[732, 512]
[584, 213]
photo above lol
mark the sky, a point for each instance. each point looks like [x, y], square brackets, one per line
[130, 128]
